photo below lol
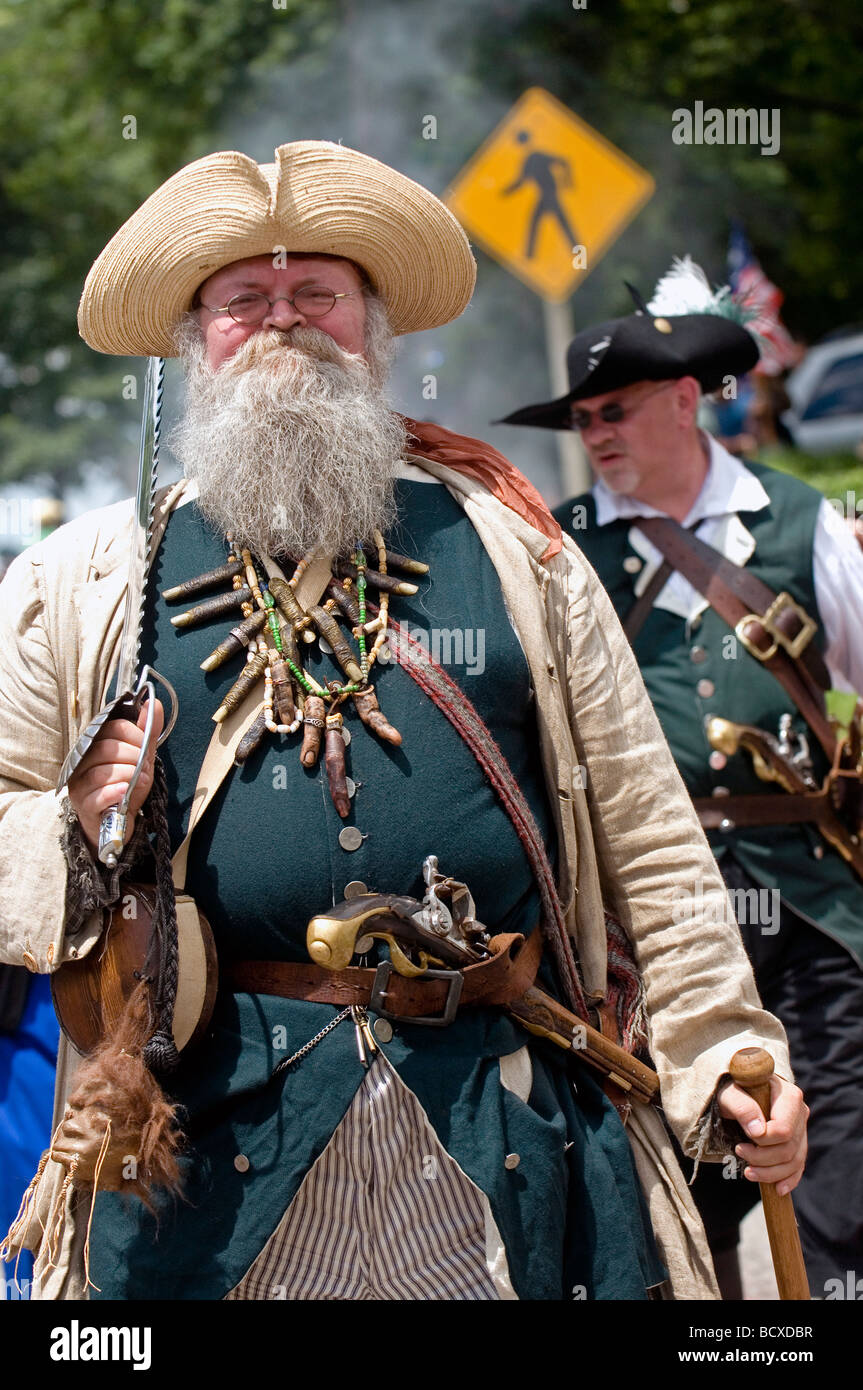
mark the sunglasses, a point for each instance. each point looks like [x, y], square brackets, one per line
[613, 412]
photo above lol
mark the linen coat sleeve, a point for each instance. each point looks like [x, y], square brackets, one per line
[33, 873]
[657, 871]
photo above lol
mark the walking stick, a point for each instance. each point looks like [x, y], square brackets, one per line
[751, 1069]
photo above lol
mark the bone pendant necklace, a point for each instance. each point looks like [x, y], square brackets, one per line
[275, 626]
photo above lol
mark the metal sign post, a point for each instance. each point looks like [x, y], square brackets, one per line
[575, 474]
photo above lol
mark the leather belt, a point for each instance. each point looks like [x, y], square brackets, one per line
[431, 998]
[782, 809]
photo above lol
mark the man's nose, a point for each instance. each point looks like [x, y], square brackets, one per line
[597, 433]
[282, 315]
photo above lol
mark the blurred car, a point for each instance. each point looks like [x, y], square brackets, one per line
[826, 393]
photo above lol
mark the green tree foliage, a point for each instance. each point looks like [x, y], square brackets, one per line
[100, 101]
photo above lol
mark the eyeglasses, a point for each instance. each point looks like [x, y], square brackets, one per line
[312, 301]
[613, 412]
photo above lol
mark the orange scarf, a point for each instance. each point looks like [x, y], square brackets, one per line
[490, 467]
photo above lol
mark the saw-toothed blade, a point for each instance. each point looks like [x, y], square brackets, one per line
[148, 465]
[139, 558]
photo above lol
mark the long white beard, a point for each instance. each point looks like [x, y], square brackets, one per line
[291, 441]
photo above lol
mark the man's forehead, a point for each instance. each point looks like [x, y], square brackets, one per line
[298, 265]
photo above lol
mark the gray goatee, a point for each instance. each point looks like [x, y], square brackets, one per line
[291, 441]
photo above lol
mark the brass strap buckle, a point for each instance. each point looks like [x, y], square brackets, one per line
[794, 646]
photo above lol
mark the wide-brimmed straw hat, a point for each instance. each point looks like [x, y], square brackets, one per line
[318, 198]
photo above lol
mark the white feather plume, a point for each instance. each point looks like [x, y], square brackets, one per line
[684, 289]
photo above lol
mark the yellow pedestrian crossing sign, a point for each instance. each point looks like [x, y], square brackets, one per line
[546, 195]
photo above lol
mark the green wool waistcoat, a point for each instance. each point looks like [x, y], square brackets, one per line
[266, 858]
[676, 658]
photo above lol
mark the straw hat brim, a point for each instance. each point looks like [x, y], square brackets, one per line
[318, 198]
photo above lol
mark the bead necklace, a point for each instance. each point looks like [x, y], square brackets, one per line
[274, 624]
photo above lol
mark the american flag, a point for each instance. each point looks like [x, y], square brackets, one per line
[756, 293]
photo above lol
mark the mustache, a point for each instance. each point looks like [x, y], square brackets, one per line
[275, 347]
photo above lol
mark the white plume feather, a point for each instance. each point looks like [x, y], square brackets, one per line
[685, 289]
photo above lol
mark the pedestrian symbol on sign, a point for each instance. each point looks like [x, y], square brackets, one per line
[549, 173]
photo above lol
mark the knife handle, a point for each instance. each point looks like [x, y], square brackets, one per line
[112, 836]
[112, 827]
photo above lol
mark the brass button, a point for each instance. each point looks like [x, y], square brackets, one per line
[241, 1163]
[512, 1161]
[705, 688]
[717, 760]
[632, 564]
[662, 325]
[350, 838]
[697, 654]
[383, 1029]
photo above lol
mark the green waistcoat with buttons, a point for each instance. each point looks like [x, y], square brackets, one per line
[266, 857]
[695, 669]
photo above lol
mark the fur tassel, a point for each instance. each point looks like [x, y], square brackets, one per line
[119, 1129]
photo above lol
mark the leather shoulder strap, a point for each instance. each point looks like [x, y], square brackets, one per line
[772, 627]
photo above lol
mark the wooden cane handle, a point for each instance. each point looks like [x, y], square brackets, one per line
[751, 1068]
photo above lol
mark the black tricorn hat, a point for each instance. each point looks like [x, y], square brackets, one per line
[644, 347]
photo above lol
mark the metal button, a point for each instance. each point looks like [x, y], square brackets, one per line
[355, 889]
[721, 791]
[818, 852]
[363, 945]
[241, 1163]
[697, 654]
[662, 326]
[350, 838]
[512, 1161]
[324, 646]
[346, 734]
[351, 786]
[705, 688]
[632, 564]
[717, 760]
[726, 824]
[383, 1029]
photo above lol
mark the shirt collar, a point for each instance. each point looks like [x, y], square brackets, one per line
[728, 488]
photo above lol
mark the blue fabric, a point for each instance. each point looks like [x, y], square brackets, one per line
[27, 1064]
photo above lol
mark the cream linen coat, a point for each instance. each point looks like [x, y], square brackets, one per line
[627, 832]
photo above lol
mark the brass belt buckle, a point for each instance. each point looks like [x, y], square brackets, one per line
[794, 646]
[378, 995]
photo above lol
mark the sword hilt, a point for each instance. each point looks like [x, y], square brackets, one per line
[112, 827]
